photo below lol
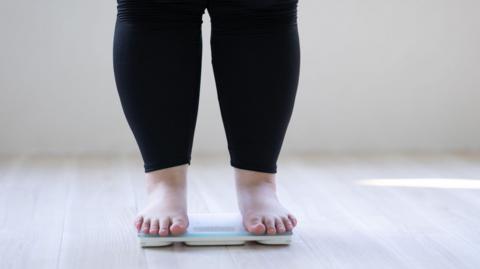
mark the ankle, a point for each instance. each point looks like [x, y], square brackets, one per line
[251, 179]
[172, 177]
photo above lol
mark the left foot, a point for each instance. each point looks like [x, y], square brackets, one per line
[257, 199]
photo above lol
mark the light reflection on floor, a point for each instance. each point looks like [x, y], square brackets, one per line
[441, 183]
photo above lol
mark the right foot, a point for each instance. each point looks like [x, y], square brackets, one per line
[261, 210]
[166, 209]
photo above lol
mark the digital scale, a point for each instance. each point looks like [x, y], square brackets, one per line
[224, 229]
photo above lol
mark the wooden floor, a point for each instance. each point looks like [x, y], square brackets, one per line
[396, 211]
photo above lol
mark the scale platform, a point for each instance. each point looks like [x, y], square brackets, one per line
[225, 229]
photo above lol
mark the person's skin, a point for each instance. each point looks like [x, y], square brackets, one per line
[166, 209]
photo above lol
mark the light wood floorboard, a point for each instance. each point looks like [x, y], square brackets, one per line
[354, 211]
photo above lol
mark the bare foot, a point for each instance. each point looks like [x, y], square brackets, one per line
[259, 205]
[166, 209]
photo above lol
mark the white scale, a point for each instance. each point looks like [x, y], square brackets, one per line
[224, 229]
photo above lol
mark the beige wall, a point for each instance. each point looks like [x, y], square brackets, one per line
[376, 75]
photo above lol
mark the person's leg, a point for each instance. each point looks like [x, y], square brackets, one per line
[157, 64]
[256, 61]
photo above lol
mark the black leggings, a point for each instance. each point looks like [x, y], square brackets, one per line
[256, 62]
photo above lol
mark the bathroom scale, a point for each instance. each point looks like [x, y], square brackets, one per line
[225, 229]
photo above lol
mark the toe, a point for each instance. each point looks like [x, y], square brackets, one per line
[154, 226]
[164, 227]
[255, 225]
[279, 225]
[293, 220]
[138, 223]
[270, 224]
[146, 226]
[287, 223]
[179, 225]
